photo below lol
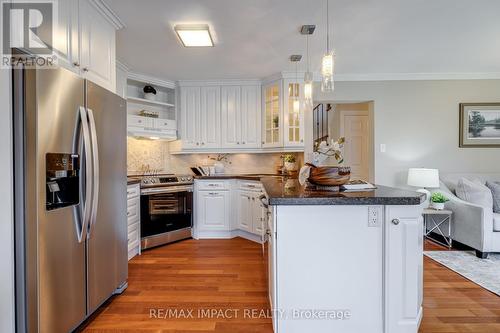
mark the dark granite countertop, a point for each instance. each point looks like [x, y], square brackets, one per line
[133, 180]
[252, 176]
[287, 191]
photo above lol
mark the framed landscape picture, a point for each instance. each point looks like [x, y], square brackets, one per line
[480, 125]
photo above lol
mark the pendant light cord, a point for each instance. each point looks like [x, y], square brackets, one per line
[327, 27]
[307, 51]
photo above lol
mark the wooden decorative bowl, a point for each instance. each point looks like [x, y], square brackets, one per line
[329, 176]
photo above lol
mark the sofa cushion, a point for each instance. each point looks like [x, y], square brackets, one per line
[496, 222]
[495, 191]
[474, 192]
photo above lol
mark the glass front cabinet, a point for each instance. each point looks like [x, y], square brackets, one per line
[283, 114]
[293, 113]
[272, 117]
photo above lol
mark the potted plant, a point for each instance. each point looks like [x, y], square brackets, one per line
[290, 162]
[220, 159]
[149, 93]
[438, 200]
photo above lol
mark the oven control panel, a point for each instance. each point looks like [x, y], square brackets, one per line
[166, 180]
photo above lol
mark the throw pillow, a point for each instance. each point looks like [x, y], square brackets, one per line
[474, 192]
[495, 191]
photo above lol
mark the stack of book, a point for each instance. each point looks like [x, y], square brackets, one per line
[357, 186]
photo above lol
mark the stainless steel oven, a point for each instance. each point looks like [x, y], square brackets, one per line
[166, 210]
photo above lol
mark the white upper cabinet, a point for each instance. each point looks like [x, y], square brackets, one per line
[250, 116]
[121, 80]
[272, 116]
[231, 116]
[97, 46]
[84, 42]
[65, 39]
[293, 113]
[210, 117]
[235, 116]
[190, 117]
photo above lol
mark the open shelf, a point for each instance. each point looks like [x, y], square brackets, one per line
[148, 102]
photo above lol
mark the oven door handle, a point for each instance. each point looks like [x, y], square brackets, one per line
[173, 189]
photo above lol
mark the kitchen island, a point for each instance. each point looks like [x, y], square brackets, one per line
[344, 262]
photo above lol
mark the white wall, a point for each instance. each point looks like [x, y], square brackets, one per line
[6, 217]
[418, 121]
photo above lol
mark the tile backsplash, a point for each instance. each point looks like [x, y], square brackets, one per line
[142, 154]
[155, 155]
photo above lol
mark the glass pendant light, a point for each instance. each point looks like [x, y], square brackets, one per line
[328, 61]
[308, 79]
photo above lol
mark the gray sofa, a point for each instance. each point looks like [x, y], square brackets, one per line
[472, 224]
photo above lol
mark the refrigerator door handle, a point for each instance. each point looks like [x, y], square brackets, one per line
[95, 168]
[82, 234]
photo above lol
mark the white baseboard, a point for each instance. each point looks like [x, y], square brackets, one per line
[226, 234]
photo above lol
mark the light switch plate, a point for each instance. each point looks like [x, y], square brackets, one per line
[383, 148]
[374, 216]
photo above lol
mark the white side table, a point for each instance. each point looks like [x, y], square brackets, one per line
[434, 221]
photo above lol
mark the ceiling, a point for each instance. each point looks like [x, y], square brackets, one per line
[254, 38]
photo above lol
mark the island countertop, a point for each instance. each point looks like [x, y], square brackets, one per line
[283, 191]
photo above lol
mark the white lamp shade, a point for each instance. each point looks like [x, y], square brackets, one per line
[420, 177]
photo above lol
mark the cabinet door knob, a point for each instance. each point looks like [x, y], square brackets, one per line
[85, 69]
[76, 64]
[238, 143]
[197, 143]
[395, 221]
[243, 142]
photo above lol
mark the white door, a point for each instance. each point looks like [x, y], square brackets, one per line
[213, 210]
[190, 117]
[231, 116]
[250, 117]
[245, 220]
[210, 117]
[404, 269]
[354, 126]
[97, 47]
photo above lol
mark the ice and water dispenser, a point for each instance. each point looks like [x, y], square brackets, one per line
[62, 180]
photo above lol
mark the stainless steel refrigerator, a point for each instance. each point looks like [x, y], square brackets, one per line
[70, 198]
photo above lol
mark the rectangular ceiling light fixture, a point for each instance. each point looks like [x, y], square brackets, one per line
[194, 35]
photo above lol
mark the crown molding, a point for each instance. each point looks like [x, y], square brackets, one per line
[395, 76]
[108, 13]
[413, 76]
[221, 82]
[151, 80]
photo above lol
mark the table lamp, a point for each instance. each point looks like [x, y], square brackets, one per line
[424, 178]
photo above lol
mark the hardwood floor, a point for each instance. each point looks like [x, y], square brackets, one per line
[231, 275]
[192, 275]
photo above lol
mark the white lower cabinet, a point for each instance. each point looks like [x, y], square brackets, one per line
[229, 208]
[212, 210]
[251, 213]
[404, 269]
[133, 220]
[244, 216]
